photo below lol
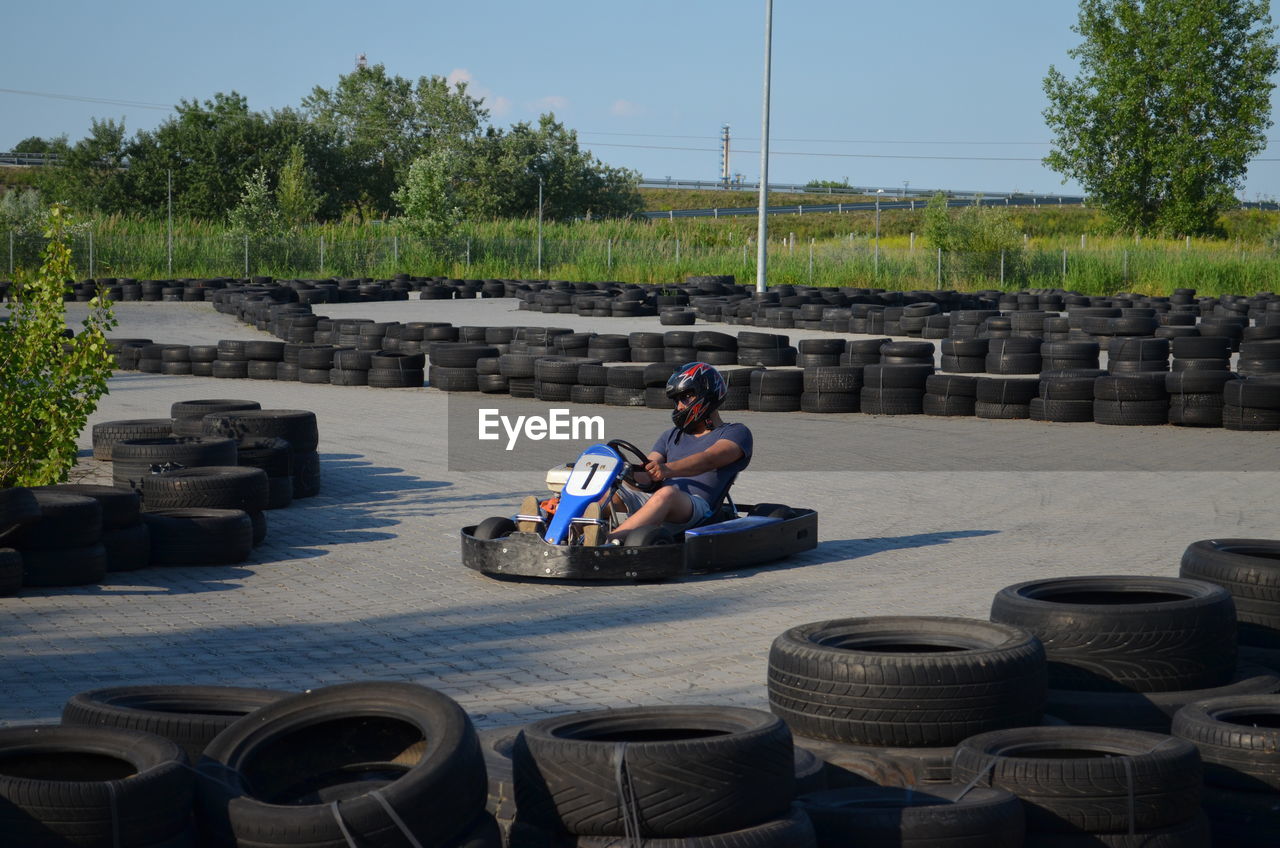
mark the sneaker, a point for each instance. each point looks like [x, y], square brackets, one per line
[529, 507]
[593, 534]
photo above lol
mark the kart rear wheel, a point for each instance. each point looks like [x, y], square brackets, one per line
[496, 527]
[643, 537]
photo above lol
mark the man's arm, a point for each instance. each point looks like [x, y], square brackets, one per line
[722, 453]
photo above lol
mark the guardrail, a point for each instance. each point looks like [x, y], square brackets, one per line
[868, 205]
[12, 158]
[895, 192]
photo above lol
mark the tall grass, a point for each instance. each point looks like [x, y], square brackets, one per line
[825, 250]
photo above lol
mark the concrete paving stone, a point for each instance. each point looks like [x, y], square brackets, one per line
[917, 517]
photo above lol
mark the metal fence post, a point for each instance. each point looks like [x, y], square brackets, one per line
[1064, 263]
[1125, 265]
[811, 260]
[91, 253]
[11, 253]
[322, 255]
[395, 252]
[1002, 267]
[246, 254]
[468, 251]
[939, 269]
[677, 251]
[609, 254]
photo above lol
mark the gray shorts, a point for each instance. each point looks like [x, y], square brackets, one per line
[634, 499]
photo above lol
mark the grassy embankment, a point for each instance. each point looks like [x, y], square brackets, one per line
[842, 246]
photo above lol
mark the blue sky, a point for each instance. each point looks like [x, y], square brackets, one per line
[934, 93]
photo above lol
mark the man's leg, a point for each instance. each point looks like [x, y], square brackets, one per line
[668, 505]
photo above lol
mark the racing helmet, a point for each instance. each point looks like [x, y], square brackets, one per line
[708, 388]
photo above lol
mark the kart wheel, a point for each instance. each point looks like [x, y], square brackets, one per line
[643, 537]
[772, 510]
[496, 527]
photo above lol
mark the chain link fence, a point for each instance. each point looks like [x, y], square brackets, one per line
[855, 260]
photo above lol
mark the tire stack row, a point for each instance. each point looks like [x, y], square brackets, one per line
[267, 770]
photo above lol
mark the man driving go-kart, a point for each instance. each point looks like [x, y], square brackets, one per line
[694, 462]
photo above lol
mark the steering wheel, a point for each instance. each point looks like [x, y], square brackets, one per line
[624, 447]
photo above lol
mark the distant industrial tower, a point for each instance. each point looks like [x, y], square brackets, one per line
[724, 155]
[362, 61]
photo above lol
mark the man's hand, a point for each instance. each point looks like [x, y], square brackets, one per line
[658, 470]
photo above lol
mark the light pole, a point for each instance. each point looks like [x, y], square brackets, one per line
[762, 225]
[879, 192]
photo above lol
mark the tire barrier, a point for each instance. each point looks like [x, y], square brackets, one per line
[1249, 569]
[1033, 332]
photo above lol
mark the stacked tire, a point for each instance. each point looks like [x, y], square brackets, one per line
[691, 775]
[1128, 652]
[1196, 396]
[1252, 403]
[62, 545]
[894, 389]
[950, 394]
[1249, 569]
[832, 388]
[1092, 785]
[886, 698]
[1064, 396]
[296, 426]
[1238, 738]
[1134, 399]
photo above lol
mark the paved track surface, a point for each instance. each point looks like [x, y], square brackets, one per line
[365, 582]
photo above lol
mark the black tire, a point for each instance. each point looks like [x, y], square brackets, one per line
[1250, 570]
[643, 537]
[278, 776]
[773, 403]
[496, 527]
[1142, 634]
[210, 487]
[1249, 419]
[778, 382]
[187, 715]
[66, 521]
[1241, 819]
[296, 426]
[982, 409]
[1091, 779]
[833, 378]
[1238, 738]
[127, 548]
[1192, 833]
[1064, 411]
[18, 509]
[1131, 413]
[230, 369]
[92, 786]
[891, 401]
[905, 681]
[830, 402]
[402, 379]
[773, 510]
[10, 572]
[261, 369]
[1153, 711]
[72, 566]
[306, 474]
[895, 817]
[120, 508]
[274, 456]
[932, 404]
[453, 379]
[199, 536]
[896, 376]
[137, 458]
[108, 433]
[348, 376]
[587, 394]
[791, 831]
[618, 396]
[693, 771]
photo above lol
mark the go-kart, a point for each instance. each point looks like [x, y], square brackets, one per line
[551, 543]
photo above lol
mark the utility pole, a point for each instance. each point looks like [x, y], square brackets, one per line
[724, 155]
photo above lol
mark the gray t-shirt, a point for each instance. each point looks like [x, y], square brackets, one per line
[709, 485]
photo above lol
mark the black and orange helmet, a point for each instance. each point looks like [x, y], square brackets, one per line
[705, 388]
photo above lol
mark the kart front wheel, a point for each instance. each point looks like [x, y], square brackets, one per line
[772, 510]
[643, 537]
[496, 527]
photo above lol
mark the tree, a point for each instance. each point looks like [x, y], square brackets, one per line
[296, 195]
[381, 124]
[49, 384]
[430, 194]
[256, 215]
[91, 175]
[505, 168]
[978, 240]
[211, 149]
[1171, 101]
